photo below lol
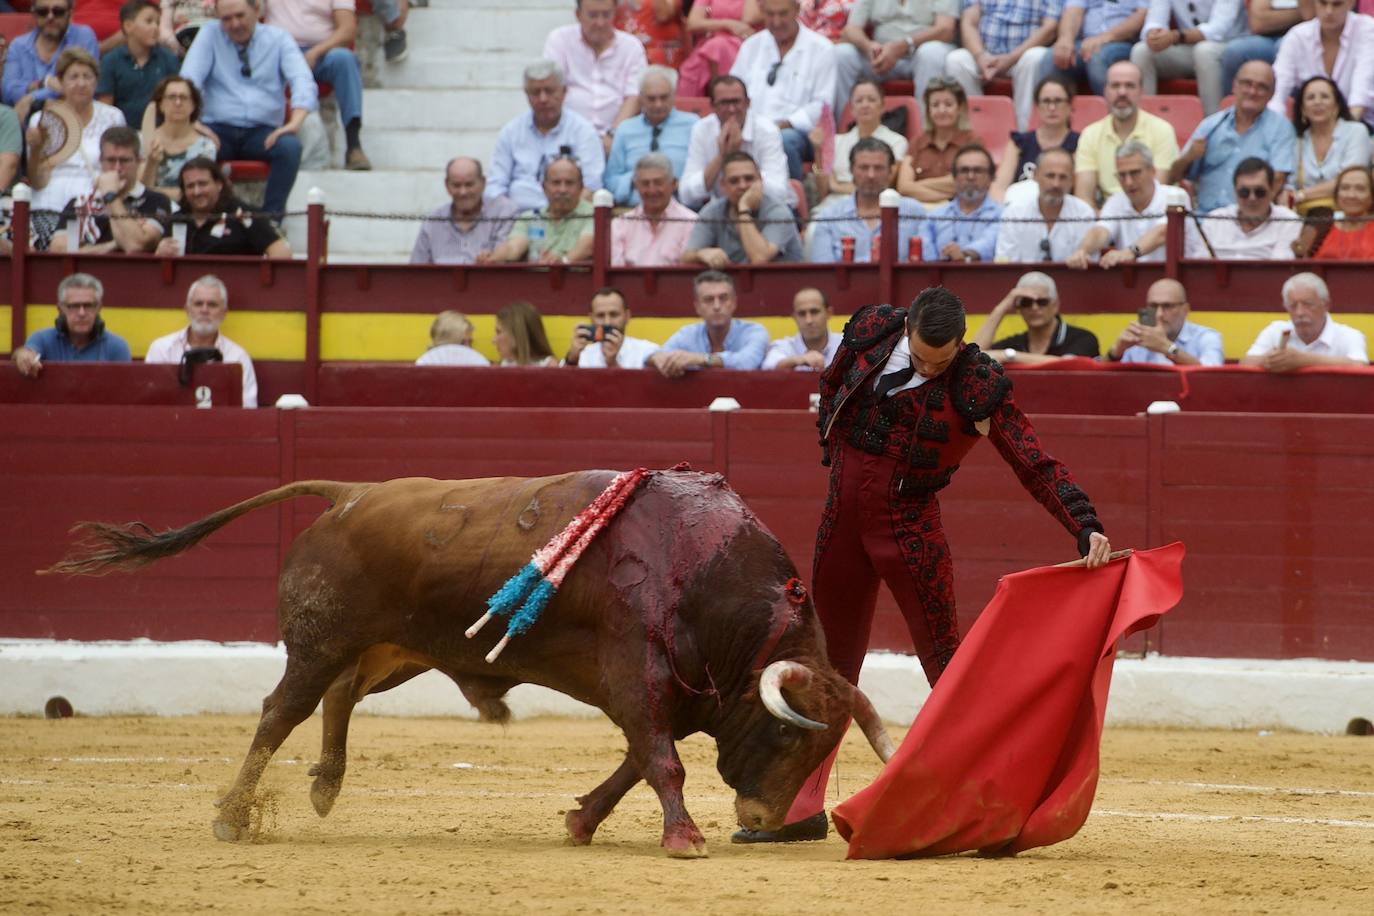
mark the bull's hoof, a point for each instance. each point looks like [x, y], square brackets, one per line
[579, 833]
[230, 833]
[684, 842]
[323, 792]
[687, 851]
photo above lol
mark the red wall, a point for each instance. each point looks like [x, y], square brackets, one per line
[1271, 507]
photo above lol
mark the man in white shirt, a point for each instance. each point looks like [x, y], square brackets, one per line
[1186, 38]
[604, 342]
[1335, 33]
[731, 128]
[601, 66]
[1132, 220]
[814, 345]
[1050, 226]
[207, 302]
[1253, 228]
[1309, 337]
[789, 72]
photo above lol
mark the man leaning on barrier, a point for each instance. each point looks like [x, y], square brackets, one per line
[1163, 335]
[1309, 337]
[718, 340]
[78, 335]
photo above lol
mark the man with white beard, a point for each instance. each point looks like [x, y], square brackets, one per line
[207, 302]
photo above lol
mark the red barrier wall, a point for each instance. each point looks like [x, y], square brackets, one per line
[1271, 507]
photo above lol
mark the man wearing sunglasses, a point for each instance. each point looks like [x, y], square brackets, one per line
[1254, 228]
[242, 68]
[32, 57]
[1047, 336]
[790, 74]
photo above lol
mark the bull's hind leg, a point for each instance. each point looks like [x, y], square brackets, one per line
[597, 804]
[290, 704]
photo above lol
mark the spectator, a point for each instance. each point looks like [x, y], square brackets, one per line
[1267, 23]
[866, 106]
[729, 22]
[216, 222]
[1191, 46]
[789, 73]
[520, 339]
[1005, 38]
[1352, 236]
[747, 226]
[1047, 336]
[718, 340]
[826, 17]
[561, 230]
[814, 345]
[1051, 225]
[911, 39]
[604, 342]
[130, 72]
[965, 229]
[601, 67]
[849, 230]
[658, 128]
[1328, 142]
[243, 69]
[1094, 163]
[925, 173]
[79, 335]
[1254, 228]
[392, 15]
[1132, 220]
[1337, 34]
[177, 136]
[207, 302]
[450, 342]
[1309, 337]
[120, 215]
[1107, 28]
[181, 21]
[530, 141]
[1053, 108]
[657, 25]
[731, 128]
[1224, 139]
[11, 147]
[1167, 338]
[325, 30]
[56, 184]
[468, 228]
[33, 57]
[656, 232]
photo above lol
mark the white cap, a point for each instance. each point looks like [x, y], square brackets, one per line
[22, 192]
[889, 198]
[1158, 407]
[314, 196]
[724, 404]
[292, 401]
[603, 198]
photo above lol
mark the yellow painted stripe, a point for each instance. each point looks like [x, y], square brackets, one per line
[265, 335]
[6, 328]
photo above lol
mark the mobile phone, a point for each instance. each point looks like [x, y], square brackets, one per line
[596, 332]
[1146, 316]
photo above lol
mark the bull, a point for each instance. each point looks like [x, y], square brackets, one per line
[684, 615]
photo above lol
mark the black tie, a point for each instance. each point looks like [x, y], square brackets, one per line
[894, 380]
[653, 140]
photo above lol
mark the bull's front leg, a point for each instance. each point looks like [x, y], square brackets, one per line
[598, 803]
[653, 752]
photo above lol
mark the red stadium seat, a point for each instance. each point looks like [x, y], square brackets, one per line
[1177, 87]
[245, 170]
[12, 25]
[913, 115]
[899, 87]
[998, 85]
[696, 105]
[1087, 109]
[1183, 112]
[992, 118]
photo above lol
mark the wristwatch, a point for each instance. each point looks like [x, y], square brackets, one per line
[1136, 252]
[109, 197]
[910, 44]
[1172, 351]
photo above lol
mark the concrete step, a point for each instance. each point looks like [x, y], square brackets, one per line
[441, 68]
[381, 194]
[426, 150]
[442, 109]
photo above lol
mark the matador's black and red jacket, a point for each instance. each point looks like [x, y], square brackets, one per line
[929, 429]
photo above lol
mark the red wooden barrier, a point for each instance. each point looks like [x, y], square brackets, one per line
[125, 384]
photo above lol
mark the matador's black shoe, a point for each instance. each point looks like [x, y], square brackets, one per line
[814, 827]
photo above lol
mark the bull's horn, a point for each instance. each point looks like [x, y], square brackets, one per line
[872, 726]
[786, 674]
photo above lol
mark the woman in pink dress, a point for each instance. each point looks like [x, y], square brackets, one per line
[730, 22]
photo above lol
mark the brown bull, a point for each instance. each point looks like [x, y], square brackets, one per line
[677, 619]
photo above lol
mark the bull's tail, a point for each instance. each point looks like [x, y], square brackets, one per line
[109, 548]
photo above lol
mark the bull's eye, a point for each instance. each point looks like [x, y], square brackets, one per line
[786, 732]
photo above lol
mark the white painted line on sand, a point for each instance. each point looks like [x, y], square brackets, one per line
[1239, 818]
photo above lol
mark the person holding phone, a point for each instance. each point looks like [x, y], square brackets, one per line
[1163, 335]
[603, 343]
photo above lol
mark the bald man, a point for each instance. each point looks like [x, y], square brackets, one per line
[1163, 335]
[467, 230]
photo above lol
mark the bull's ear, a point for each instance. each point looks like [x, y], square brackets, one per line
[771, 683]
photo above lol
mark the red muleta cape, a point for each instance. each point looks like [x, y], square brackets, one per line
[1003, 757]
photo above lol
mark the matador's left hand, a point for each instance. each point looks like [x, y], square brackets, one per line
[1099, 551]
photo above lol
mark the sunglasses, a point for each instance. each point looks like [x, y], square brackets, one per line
[1045, 250]
[653, 140]
[773, 73]
[1040, 302]
[1259, 193]
[245, 68]
[51, 12]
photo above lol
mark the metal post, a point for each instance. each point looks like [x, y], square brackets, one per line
[314, 266]
[602, 200]
[19, 266]
[1173, 240]
[889, 200]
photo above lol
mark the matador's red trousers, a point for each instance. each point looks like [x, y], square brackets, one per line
[870, 531]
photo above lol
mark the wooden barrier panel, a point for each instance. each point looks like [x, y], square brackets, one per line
[122, 383]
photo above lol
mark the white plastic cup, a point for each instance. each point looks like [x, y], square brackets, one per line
[292, 402]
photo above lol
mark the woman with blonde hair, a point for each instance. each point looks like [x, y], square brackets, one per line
[926, 173]
[450, 342]
[520, 339]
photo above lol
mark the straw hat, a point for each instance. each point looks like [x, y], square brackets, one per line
[61, 134]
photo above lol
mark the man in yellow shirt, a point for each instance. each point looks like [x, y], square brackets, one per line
[1095, 161]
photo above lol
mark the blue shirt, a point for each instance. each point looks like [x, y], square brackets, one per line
[257, 101]
[1193, 339]
[1102, 15]
[1271, 138]
[633, 138]
[23, 66]
[841, 220]
[523, 151]
[1005, 24]
[131, 86]
[56, 347]
[745, 343]
[976, 231]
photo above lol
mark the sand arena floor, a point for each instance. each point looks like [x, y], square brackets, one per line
[443, 816]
